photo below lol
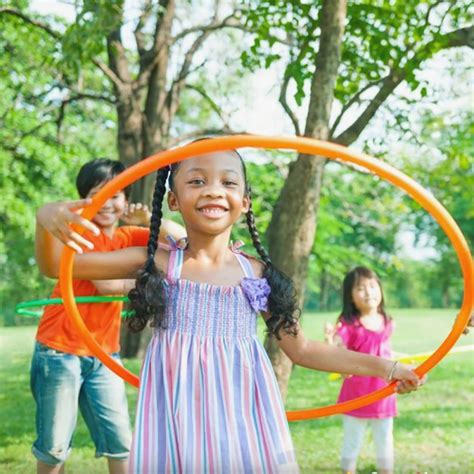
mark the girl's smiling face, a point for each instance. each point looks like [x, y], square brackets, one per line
[366, 295]
[209, 191]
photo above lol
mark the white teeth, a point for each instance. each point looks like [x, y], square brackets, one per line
[212, 210]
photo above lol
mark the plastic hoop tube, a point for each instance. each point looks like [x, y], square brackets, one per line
[309, 147]
[22, 309]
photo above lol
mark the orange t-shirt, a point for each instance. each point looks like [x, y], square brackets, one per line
[56, 329]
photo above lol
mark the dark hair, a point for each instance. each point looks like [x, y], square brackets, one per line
[350, 313]
[96, 172]
[147, 299]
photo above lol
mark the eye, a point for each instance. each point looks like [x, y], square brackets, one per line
[230, 183]
[196, 181]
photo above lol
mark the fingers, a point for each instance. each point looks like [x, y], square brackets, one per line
[78, 204]
[85, 223]
[136, 207]
[407, 386]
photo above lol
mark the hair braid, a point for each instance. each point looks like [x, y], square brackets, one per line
[147, 300]
[254, 232]
[282, 304]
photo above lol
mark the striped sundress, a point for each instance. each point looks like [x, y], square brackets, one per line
[208, 400]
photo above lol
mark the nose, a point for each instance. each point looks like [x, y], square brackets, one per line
[214, 191]
[108, 203]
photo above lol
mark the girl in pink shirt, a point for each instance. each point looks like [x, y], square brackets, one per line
[364, 326]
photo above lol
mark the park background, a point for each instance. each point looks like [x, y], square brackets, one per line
[90, 79]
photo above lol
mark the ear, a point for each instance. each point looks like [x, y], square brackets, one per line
[245, 204]
[173, 203]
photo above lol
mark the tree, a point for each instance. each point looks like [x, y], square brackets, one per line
[357, 56]
[40, 151]
[448, 173]
[144, 83]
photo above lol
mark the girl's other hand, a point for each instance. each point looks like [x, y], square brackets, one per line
[56, 218]
[407, 380]
[329, 332]
[136, 214]
[470, 324]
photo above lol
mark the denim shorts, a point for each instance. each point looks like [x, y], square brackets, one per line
[61, 384]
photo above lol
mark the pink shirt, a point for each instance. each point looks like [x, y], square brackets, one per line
[357, 338]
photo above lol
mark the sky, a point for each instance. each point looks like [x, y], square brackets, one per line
[264, 115]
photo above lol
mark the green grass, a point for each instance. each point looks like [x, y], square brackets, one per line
[433, 433]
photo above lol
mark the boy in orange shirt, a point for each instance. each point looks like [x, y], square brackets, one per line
[64, 374]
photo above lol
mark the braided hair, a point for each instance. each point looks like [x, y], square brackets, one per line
[147, 299]
[282, 303]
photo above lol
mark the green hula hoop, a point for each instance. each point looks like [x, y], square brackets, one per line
[23, 309]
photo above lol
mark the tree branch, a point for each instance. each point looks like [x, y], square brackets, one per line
[229, 22]
[109, 74]
[118, 62]
[351, 102]
[27, 19]
[286, 107]
[457, 38]
[138, 32]
[211, 102]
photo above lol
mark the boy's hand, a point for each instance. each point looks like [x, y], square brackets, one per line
[56, 218]
[136, 214]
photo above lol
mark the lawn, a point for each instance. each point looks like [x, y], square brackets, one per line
[433, 433]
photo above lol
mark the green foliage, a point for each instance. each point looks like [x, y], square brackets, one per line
[84, 39]
[379, 36]
[39, 160]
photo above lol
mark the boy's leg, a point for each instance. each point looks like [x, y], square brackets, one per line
[117, 466]
[55, 384]
[42, 468]
[382, 430]
[104, 406]
[354, 429]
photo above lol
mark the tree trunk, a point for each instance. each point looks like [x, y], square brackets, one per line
[293, 226]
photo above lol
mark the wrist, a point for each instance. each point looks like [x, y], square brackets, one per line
[390, 376]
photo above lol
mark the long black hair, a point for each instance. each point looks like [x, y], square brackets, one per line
[148, 298]
[350, 313]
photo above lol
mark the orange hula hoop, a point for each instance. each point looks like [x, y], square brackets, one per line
[305, 146]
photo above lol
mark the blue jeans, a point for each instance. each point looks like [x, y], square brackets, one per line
[61, 383]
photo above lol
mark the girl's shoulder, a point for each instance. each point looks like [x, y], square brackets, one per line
[257, 266]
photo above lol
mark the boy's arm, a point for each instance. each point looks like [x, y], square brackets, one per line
[114, 287]
[138, 214]
[53, 232]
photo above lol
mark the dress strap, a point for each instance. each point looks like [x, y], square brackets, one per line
[175, 262]
[243, 260]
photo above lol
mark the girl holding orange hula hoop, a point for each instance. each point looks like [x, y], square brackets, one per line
[208, 397]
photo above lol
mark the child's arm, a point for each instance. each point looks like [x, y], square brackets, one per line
[169, 227]
[114, 287]
[53, 231]
[113, 265]
[321, 356]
